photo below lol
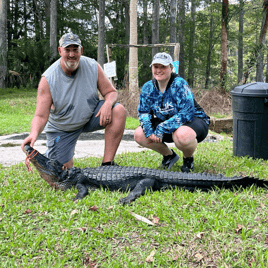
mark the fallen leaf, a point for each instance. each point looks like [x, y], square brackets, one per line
[198, 257]
[92, 265]
[239, 228]
[82, 229]
[110, 207]
[150, 258]
[178, 248]
[27, 211]
[155, 220]
[200, 235]
[94, 208]
[266, 239]
[75, 211]
[175, 258]
[140, 218]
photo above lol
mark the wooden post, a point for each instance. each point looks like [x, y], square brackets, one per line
[133, 51]
[108, 53]
[176, 52]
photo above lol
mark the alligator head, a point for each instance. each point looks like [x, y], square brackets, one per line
[50, 170]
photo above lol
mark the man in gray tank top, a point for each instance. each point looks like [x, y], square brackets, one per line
[68, 104]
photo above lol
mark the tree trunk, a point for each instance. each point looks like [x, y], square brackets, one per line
[38, 21]
[266, 74]
[101, 33]
[3, 42]
[155, 26]
[259, 47]
[133, 51]
[191, 46]
[16, 21]
[47, 13]
[181, 20]
[53, 29]
[145, 51]
[127, 18]
[260, 66]
[240, 41]
[145, 23]
[210, 46]
[173, 32]
[25, 19]
[224, 40]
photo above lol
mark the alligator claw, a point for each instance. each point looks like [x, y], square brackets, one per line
[124, 201]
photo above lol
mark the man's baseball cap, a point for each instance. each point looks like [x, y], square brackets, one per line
[69, 39]
[162, 58]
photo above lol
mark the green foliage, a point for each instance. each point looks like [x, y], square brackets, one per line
[29, 52]
[29, 58]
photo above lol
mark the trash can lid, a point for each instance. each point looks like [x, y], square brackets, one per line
[257, 89]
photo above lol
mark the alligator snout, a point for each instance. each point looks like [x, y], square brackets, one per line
[28, 149]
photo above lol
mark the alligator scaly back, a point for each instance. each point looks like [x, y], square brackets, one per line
[135, 179]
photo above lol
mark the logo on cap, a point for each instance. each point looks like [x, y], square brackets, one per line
[69, 39]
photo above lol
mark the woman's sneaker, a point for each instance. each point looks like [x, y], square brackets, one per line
[169, 160]
[188, 164]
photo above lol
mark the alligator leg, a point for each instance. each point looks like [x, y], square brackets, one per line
[140, 188]
[82, 191]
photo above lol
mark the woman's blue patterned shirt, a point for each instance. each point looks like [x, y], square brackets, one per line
[174, 107]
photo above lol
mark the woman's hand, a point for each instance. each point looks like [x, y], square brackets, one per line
[153, 138]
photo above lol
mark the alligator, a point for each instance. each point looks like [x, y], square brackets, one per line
[136, 180]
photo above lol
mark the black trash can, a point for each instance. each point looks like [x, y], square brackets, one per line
[250, 120]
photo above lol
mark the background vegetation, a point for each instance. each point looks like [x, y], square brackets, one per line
[29, 51]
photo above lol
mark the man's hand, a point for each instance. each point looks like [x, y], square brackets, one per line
[31, 139]
[105, 114]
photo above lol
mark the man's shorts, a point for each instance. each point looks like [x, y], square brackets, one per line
[197, 124]
[61, 145]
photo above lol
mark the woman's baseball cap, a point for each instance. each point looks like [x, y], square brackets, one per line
[162, 58]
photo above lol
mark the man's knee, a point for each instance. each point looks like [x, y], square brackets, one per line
[120, 112]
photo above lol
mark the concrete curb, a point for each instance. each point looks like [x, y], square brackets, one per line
[89, 144]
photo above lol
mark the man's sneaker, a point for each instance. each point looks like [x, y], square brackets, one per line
[188, 164]
[169, 160]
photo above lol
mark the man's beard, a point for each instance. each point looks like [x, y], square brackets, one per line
[71, 65]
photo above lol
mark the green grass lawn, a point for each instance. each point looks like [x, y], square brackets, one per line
[17, 107]
[41, 227]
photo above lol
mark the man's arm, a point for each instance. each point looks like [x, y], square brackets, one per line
[110, 95]
[43, 105]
